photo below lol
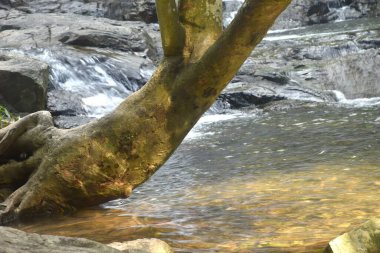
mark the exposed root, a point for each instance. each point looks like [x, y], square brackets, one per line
[21, 153]
[31, 200]
[15, 164]
[11, 133]
[7, 140]
[4, 193]
[10, 206]
[14, 174]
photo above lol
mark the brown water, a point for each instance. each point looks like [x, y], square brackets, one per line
[283, 181]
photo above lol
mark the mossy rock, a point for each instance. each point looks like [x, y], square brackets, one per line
[364, 239]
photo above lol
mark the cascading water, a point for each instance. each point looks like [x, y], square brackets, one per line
[88, 82]
[230, 10]
[101, 81]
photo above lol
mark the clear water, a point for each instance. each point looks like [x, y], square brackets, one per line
[278, 181]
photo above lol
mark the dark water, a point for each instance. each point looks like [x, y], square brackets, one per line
[279, 181]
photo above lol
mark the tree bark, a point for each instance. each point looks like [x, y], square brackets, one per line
[45, 170]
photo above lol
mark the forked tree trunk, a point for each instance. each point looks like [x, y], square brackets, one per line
[46, 170]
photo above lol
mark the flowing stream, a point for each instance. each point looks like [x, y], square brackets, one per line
[278, 181]
[272, 180]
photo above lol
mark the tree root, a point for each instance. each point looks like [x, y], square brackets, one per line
[15, 173]
[10, 134]
[10, 206]
[21, 153]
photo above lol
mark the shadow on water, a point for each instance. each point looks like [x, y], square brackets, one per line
[284, 181]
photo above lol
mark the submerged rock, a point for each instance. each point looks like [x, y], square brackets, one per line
[143, 246]
[23, 83]
[16, 241]
[364, 239]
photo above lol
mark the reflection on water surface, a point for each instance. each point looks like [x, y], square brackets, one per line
[285, 181]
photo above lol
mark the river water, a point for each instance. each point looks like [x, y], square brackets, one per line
[271, 180]
[280, 179]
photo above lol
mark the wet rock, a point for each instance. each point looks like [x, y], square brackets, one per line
[301, 13]
[275, 77]
[320, 13]
[140, 10]
[357, 76]
[23, 83]
[304, 66]
[37, 30]
[318, 9]
[83, 7]
[143, 246]
[258, 91]
[284, 105]
[316, 60]
[63, 102]
[16, 241]
[70, 121]
[364, 239]
[238, 100]
[132, 42]
[12, 3]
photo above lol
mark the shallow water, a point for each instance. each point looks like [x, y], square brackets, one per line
[279, 181]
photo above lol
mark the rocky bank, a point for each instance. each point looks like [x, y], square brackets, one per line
[16, 241]
[99, 52]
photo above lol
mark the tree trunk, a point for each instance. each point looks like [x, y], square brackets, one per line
[45, 170]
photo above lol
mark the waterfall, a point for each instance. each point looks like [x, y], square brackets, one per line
[97, 80]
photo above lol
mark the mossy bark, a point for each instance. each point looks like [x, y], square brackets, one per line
[46, 170]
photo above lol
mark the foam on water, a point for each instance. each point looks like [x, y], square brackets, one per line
[100, 104]
[100, 82]
[198, 130]
[357, 102]
[298, 36]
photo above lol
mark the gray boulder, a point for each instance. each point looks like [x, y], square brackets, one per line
[302, 13]
[16, 241]
[364, 239]
[309, 67]
[357, 76]
[83, 7]
[23, 83]
[140, 10]
[39, 30]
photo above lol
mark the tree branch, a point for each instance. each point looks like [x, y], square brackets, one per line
[202, 20]
[228, 53]
[172, 32]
